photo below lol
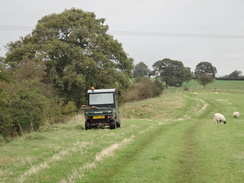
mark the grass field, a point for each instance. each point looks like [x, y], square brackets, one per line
[171, 138]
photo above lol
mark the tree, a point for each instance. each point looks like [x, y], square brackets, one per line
[172, 72]
[205, 73]
[2, 70]
[77, 52]
[205, 68]
[141, 69]
[205, 79]
[235, 74]
[187, 74]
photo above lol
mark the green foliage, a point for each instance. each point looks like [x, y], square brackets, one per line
[144, 88]
[3, 77]
[205, 79]
[140, 70]
[25, 102]
[69, 108]
[77, 52]
[235, 74]
[172, 72]
[205, 68]
[187, 75]
[205, 73]
[158, 88]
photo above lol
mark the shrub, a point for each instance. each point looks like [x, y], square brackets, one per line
[69, 108]
[144, 88]
[158, 88]
[186, 89]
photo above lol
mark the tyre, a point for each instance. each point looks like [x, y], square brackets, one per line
[113, 124]
[87, 125]
[118, 124]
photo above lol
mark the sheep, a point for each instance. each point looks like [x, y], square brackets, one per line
[216, 93]
[236, 114]
[218, 118]
[195, 93]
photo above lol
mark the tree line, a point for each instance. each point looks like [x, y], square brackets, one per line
[174, 73]
[235, 75]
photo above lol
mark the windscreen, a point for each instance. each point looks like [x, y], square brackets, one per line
[101, 98]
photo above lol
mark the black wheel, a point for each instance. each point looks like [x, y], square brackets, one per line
[113, 124]
[87, 125]
[118, 124]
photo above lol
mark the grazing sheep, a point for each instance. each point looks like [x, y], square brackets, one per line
[195, 93]
[218, 118]
[236, 114]
[216, 93]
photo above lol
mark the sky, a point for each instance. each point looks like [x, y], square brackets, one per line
[190, 31]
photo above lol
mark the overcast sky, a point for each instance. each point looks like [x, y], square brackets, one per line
[190, 31]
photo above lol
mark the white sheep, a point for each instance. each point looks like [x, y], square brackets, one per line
[218, 118]
[216, 93]
[195, 93]
[236, 114]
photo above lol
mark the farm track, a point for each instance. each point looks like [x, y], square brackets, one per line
[154, 140]
[188, 159]
[187, 169]
[128, 156]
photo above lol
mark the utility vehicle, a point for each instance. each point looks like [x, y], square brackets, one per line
[102, 109]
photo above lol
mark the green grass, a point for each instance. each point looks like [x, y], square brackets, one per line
[171, 138]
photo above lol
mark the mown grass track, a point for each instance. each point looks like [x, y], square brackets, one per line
[134, 164]
[153, 157]
[180, 151]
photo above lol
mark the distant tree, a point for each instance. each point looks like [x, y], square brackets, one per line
[205, 73]
[172, 72]
[188, 75]
[141, 69]
[235, 74]
[77, 52]
[205, 79]
[205, 68]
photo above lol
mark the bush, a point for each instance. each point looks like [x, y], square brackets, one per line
[144, 88]
[158, 88]
[25, 102]
[69, 108]
[186, 89]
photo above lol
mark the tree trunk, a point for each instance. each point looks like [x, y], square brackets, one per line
[32, 127]
[21, 129]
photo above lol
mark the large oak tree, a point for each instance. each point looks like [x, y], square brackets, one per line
[77, 52]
